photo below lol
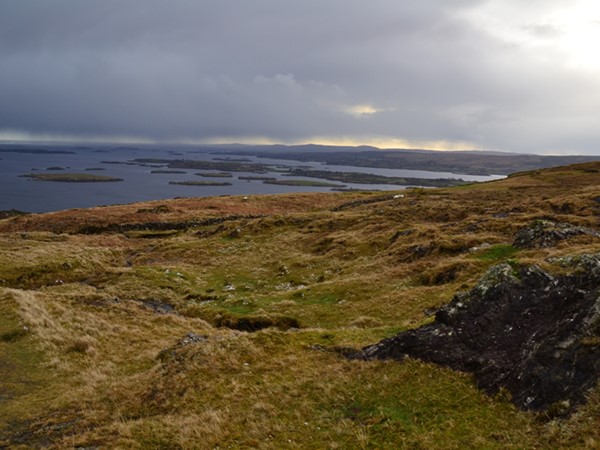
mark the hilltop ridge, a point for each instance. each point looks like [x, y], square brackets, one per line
[201, 322]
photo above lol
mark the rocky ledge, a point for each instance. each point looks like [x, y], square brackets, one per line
[523, 330]
[545, 233]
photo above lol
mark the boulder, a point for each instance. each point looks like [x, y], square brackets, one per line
[524, 330]
[545, 233]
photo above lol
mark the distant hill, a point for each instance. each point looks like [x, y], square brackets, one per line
[466, 162]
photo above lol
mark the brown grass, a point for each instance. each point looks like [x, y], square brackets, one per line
[108, 369]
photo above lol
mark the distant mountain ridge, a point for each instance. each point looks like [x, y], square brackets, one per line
[473, 162]
[470, 162]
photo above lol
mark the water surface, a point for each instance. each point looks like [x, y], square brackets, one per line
[141, 185]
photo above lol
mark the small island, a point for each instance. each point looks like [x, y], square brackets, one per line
[215, 175]
[71, 177]
[305, 183]
[35, 151]
[233, 159]
[369, 178]
[221, 166]
[200, 183]
[256, 178]
[125, 163]
[167, 171]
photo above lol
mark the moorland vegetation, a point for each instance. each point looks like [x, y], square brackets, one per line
[218, 322]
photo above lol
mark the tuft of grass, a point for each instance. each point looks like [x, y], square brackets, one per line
[498, 252]
[366, 322]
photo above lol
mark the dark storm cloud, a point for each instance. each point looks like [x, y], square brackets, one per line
[286, 71]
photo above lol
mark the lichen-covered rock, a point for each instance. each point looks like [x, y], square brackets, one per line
[587, 263]
[534, 334]
[501, 273]
[545, 233]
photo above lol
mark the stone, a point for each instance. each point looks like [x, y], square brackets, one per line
[525, 331]
[545, 233]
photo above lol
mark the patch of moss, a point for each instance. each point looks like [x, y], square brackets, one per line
[498, 253]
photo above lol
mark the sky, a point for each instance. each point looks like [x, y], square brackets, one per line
[502, 75]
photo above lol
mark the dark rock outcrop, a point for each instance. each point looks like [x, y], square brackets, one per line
[171, 353]
[545, 233]
[252, 324]
[159, 307]
[531, 333]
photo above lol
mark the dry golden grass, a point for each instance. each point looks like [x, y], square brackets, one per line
[101, 361]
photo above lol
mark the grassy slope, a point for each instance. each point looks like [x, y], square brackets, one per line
[87, 371]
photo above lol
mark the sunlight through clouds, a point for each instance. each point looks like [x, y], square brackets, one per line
[581, 37]
[362, 111]
[565, 32]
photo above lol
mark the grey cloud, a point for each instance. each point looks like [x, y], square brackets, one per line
[281, 70]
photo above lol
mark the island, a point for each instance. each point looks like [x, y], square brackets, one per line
[233, 159]
[256, 178]
[71, 177]
[306, 183]
[35, 151]
[126, 163]
[463, 162]
[215, 175]
[200, 183]
[221, 166]
[369, 178]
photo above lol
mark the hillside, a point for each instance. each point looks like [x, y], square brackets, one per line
[466, 162]
[226, 322]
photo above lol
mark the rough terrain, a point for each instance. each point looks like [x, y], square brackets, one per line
[201, 322]
[521, 329]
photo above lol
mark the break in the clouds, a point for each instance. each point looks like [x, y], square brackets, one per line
[495, 74]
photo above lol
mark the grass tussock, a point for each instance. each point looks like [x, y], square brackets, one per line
[212, 336]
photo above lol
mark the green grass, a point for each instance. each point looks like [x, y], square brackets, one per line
[21, 372]
[498, 253]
